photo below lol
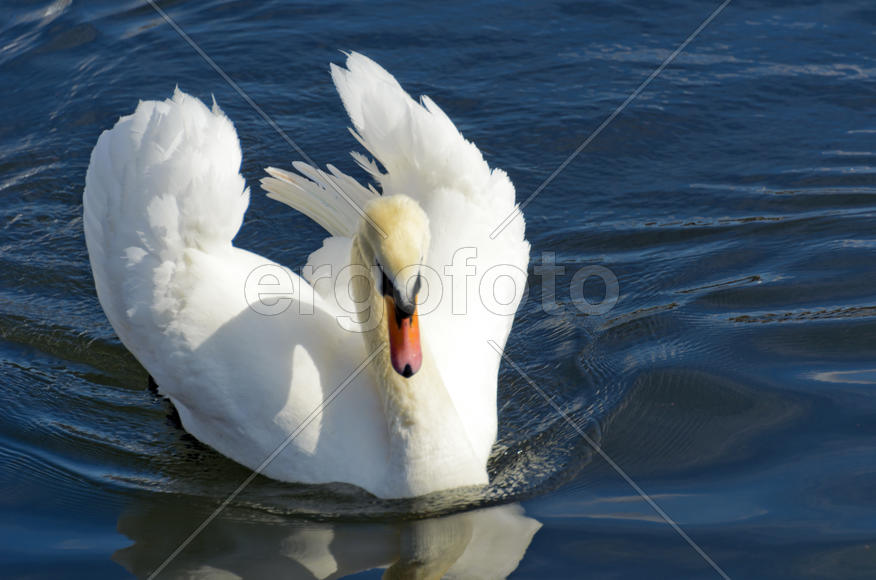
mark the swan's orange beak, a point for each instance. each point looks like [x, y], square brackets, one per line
[404, 339]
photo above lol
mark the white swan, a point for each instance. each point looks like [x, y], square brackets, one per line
[163, 200]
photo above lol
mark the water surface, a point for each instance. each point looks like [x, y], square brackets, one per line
[734, 200]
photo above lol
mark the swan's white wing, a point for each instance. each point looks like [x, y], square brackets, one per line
[334, 200]
[426, 158]
[474, 283]
[162, 182]
[162, 202]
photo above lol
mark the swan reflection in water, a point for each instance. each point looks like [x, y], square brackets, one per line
[487, 543]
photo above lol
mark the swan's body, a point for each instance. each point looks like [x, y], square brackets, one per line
[162, 202]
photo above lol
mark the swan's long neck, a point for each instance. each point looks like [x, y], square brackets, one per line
[428, 445]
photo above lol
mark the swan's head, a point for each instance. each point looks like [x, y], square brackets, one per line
[398, 245]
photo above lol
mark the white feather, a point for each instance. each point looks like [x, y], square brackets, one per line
[428, 159]
[162, 203]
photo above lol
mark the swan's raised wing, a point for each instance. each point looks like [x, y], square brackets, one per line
[334, 200]
[164, 181]
[473, 284]
[163, 200]
[481, 280]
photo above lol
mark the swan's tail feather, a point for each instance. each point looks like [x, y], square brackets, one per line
[333, 200]
[161, 181]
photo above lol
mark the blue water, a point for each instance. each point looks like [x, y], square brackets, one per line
[734, 199]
